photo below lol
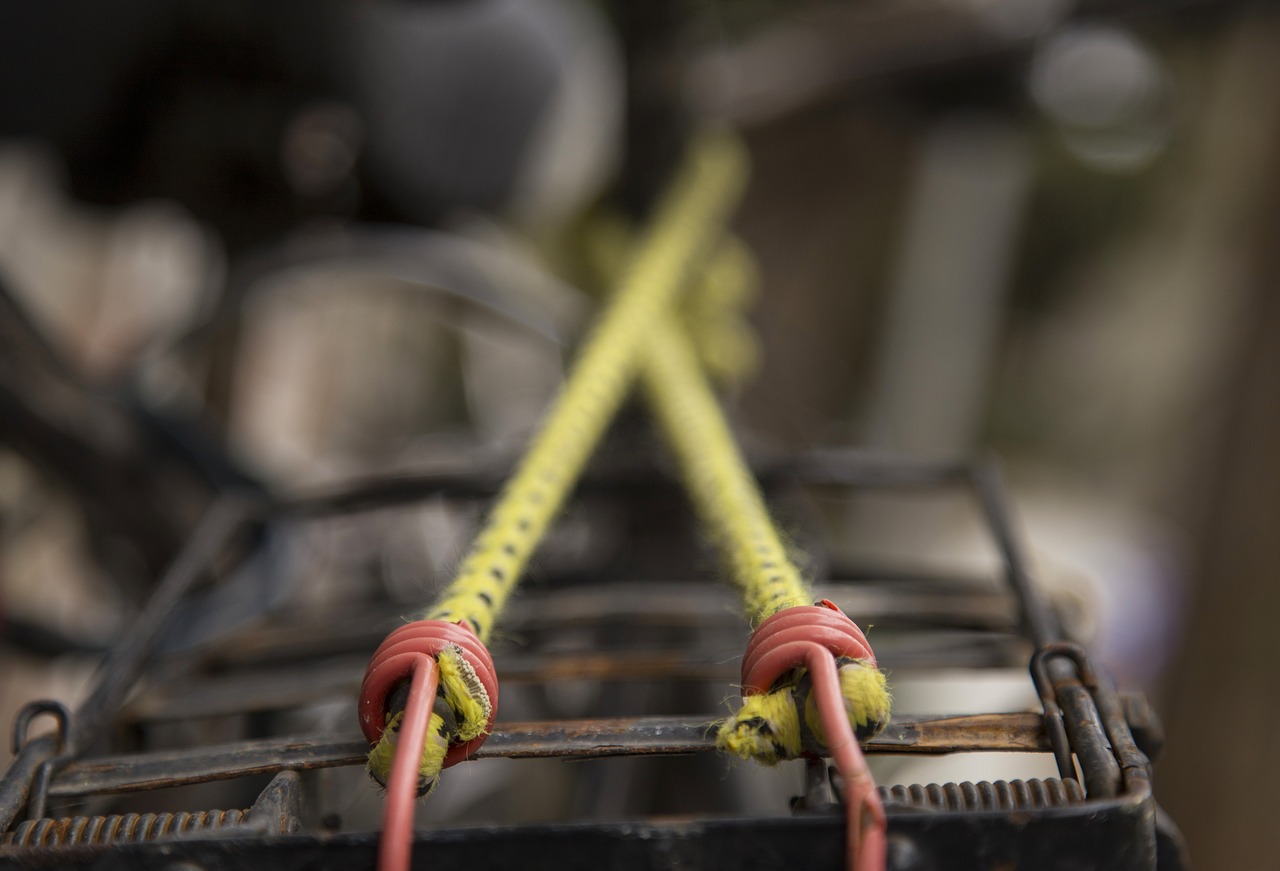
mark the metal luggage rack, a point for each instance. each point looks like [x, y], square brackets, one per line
[60, 798]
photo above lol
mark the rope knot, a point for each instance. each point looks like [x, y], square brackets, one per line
[464, 712]
[780, 645]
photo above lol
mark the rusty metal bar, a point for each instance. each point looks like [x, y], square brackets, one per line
[120, 667]
[632, 736]
[15, 787]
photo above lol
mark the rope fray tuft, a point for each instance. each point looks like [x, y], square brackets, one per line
[462, 689]
[433, 752]
[769, 729]
[766, 728]
[865, 691]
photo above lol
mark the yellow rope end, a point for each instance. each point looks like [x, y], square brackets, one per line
[464, 693]
[866, 700]
[866, 697]
[726, 347]
[437, 744]
[766, 728]
[723, 340]
[729, 282]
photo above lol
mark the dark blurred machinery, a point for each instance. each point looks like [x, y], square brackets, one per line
[257, 117]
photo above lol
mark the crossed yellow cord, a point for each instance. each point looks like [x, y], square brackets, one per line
[639, 333]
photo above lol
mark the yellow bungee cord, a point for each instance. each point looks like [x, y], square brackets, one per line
[688, 221]
[767, 728]
[709, 338]
[639, 332]
[810, 679]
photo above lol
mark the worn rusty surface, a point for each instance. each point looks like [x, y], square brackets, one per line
[920, 622]
[628, 736]
[1021, 732]
[117, 828]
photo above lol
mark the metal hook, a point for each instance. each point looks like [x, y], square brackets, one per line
[31, 710]
[44, 774]
[1068, 650]
[1054, 724]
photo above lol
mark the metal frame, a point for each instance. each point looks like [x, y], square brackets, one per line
[1098, 813]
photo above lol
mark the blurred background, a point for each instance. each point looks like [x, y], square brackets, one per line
[274, 246]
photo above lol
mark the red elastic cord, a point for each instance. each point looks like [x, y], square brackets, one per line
[409, 653]
[396, 845]
[812, 637]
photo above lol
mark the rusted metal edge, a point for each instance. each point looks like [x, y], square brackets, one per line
[1020, 732]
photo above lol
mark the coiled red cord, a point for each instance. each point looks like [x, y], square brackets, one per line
[812, 637]
[409, 653]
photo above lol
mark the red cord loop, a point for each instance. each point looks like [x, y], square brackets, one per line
[393, 662]
[776, 646]
[813, 637]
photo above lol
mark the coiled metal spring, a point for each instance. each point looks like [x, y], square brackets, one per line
[117, 828]
[985, 796]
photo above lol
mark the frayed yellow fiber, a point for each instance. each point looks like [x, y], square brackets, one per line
[865, 689]
[766, 728]
[866, 701]
[433, 751]
[464, 693]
